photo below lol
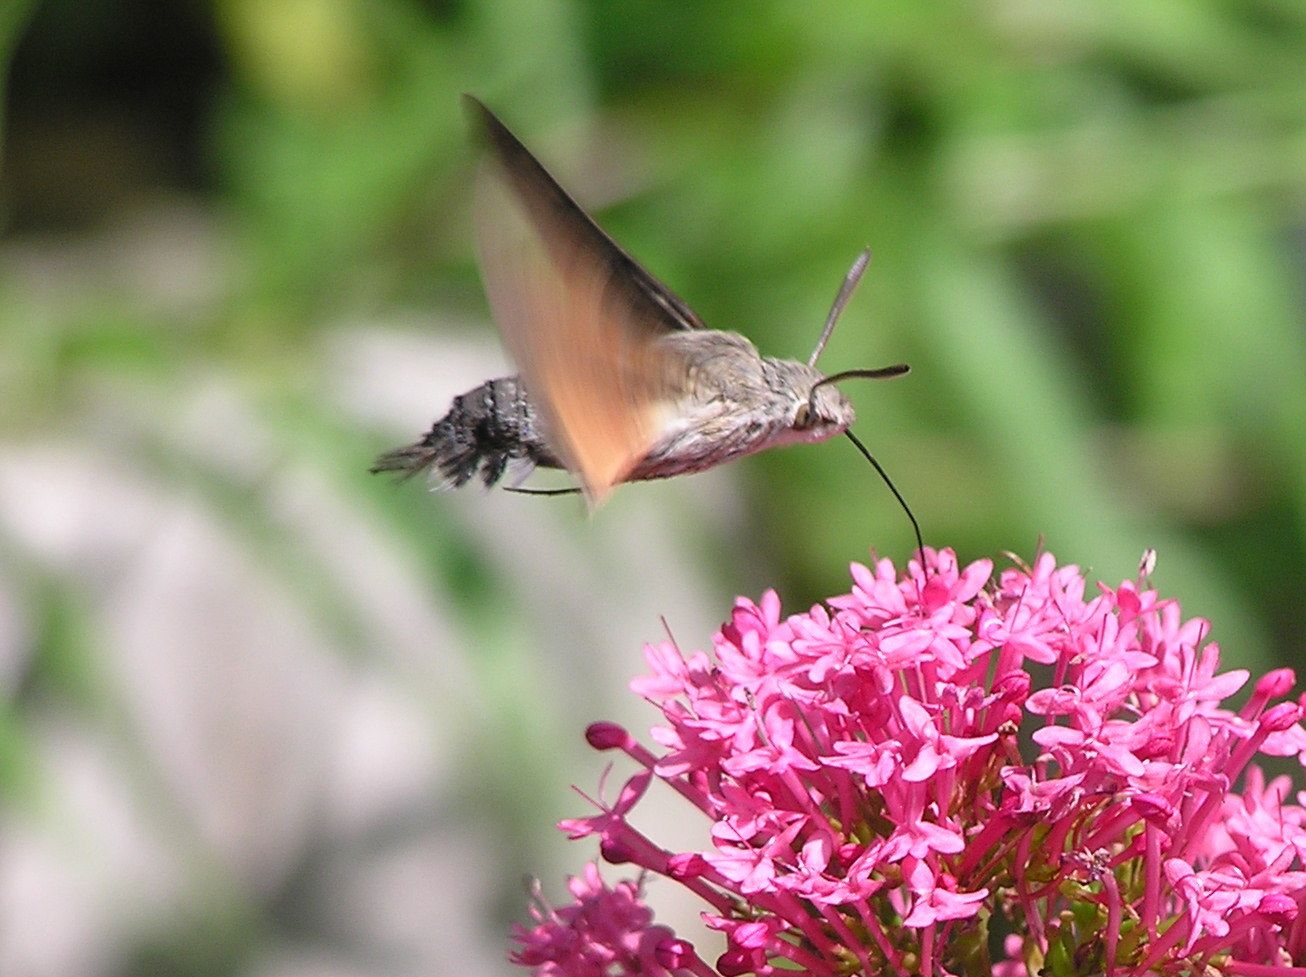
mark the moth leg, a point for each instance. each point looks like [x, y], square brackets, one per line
[572, 490]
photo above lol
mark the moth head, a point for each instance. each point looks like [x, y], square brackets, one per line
[823, 413]
[826, 411]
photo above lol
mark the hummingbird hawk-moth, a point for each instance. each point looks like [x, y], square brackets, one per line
[620, 380]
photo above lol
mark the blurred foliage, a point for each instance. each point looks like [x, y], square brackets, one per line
[1088, 220]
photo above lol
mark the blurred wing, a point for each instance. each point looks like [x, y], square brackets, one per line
[561, 222]
[579, 317]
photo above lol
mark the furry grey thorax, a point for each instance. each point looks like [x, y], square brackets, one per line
[737, 402]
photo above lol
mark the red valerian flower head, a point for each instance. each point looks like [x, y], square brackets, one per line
[935, 756]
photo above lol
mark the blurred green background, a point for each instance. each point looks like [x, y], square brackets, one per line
[262, 714]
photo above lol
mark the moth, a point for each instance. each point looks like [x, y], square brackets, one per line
[619, 380]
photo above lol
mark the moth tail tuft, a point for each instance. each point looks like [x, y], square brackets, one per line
[404, 462]
[449, 463]
[488, 433]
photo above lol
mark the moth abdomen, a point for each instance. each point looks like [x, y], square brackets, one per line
[485, 431]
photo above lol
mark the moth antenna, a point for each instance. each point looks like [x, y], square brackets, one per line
[916, 527]
[846, 290]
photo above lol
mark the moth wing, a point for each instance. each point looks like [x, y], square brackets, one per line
[561, 221]
[581, 328]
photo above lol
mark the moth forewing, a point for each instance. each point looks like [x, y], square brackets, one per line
[565, 223]
[597, 376]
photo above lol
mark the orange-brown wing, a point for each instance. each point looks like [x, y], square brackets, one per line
[560, 221]
[582, 327]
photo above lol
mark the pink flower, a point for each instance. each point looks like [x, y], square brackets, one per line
[869, 795]
[937, 899]
[930, 751]
[604, 932]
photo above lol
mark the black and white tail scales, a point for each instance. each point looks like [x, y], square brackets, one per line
[486, 431]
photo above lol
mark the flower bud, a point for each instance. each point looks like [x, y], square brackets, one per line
[606, 736]
[1280, 908]
[1275, 684]
[674, 954]
[615, 852]
[734, 963]
[1152, 808]
[1278, 718]
[1013, 686]
[686, 865]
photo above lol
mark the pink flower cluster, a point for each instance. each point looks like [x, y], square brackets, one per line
[951, 773]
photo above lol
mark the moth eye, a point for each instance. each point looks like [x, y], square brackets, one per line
[802, 416]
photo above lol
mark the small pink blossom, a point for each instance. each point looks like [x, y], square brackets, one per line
[928, 749]
[942, 749]
[604, 932]
[937, 899]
